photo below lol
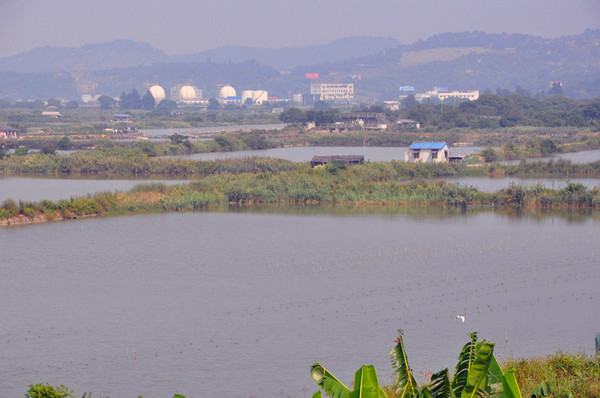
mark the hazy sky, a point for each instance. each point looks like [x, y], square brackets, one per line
[188, 26]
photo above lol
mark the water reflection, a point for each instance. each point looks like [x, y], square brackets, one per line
[193, 131]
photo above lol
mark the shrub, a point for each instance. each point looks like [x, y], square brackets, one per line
[47, 391]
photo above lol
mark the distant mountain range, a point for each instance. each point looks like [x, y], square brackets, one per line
[128, 53]
[377, 66]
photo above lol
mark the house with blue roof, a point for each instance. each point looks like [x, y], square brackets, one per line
[428, 152]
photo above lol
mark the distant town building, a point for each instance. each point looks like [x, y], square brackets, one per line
[392, 105]
[121, 117]
[332, 91]
[7, 132]
[55, 114]
[427, 152]
[257, 96]
[468, 95]
[438, 94]
[297, 98]
[364, 120]
[406, 124]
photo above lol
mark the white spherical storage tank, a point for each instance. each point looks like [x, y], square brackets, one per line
[187, 93]
[227, 91]
[158, 93]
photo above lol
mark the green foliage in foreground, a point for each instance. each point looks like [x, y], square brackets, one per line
[477, 375]
[47, 391]
[41, 390]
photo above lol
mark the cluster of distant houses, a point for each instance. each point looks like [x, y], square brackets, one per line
[7, 132]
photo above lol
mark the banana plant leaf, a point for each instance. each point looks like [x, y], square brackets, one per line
[317, 395]
[440, 385]
[466, 356]
[510, 385]
[496, 376]
[425, 393]
[366, 384]
[328, 382]
[541, 391]
[477, 379]
[404, 379]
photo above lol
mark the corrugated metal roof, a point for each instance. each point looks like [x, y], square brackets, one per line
[427, 145]
[4, 127]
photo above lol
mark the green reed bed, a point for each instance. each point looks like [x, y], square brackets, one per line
[130, 163]
[335, 184]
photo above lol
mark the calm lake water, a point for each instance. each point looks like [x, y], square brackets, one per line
[211, 129]
[240, 304]
[573, 157]
[51, 188]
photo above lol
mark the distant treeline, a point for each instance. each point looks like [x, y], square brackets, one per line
[140, 160]
[490, 111]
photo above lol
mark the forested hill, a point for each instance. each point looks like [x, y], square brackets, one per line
[459, 61]
[128, 53]
[468, 61]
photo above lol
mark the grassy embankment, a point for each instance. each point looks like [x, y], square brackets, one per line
[576, 374]
[270, 181]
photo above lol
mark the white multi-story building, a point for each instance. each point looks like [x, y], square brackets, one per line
[332, 91]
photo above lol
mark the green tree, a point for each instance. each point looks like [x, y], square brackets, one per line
[489, 155]
[131, 100]
[547, 147]
[213, 104]
[147, 101]
[48, 150]
[321, 106]
[106, 102]
[64, 143]
[72, 105]
[167, 105]
[293, 115]
[54, 102]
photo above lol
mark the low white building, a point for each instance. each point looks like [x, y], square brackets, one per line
[427, 152]
[257, 96]
[468, 95]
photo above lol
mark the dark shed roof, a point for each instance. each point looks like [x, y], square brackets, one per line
[348, 159]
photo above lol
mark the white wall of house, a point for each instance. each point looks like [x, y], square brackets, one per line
[427, 155]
